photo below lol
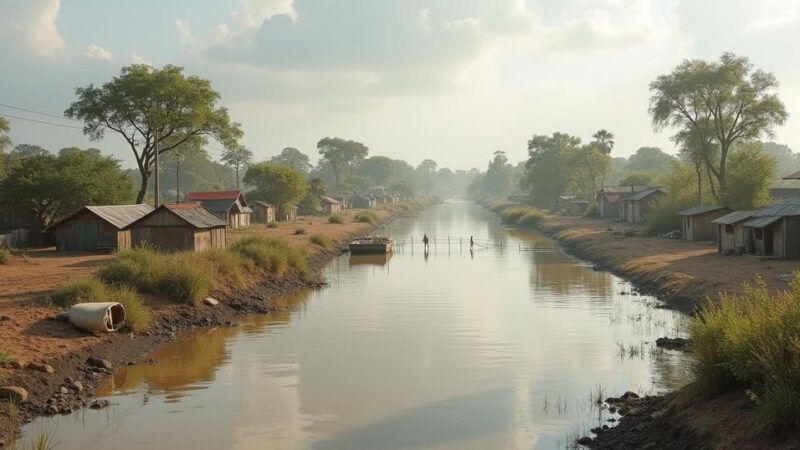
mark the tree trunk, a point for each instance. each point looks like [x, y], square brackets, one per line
[237, 177]
[177, 180]
[143, 187]
[699, 184]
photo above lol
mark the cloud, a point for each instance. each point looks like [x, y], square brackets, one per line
[250, 15]
[184, 32]
[94, 51]
[35, 22]
[135, 58]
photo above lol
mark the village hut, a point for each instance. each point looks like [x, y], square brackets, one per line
[564, 202]
[636, 207]
[229, 206]
[330, 205]
[180, 227]
[698, 222]
[609, 199]
[362, 202]
[731, 232]
[775, 230]
[782, 193]
[263, 212]
[14, 218]
[344, 200]
[578, 207]
[291, 213]
[97, 228]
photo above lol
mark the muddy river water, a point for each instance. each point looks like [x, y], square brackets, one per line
[502, 347]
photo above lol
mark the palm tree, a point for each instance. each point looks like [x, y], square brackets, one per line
[605, 140]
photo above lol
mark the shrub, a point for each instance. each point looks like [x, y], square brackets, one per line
[369, 217]
[336, 218]
[273, 255]
[139, 268]
[137, 315]
[88, 290]
[530, 219]
[300, 231]
[322, 240]
[272, 225]
[753, 339]
[5, 256]
[185, 279]
[228, 267]
[513, 214]
[4, 356]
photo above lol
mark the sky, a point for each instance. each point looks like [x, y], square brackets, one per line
[450, 80]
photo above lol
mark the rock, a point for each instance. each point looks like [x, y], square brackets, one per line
[612, 409]
[14, 393]
[629, 395]
[99, 404]
[641, 427]
[612, 420]
[64, 390]
[787, 277]
[210, 301]
[673, 343]
[65, 410]
[76, 386]
[5, 318]
[15, 364]
[100, 363]
[46, 368]
[586, 440]
[51, 410]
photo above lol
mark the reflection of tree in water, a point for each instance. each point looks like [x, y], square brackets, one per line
[183, 364]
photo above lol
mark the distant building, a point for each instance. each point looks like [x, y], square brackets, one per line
[698, 222]
[775, 230]
[782, 193]
[564, 202]
[344, 200]
[180, 227]
[731, 234]
[609, 199]
[263, 212]
[13, 218]
[229, 206]
[97, 228]
[362, 202]
[330, 205]
[292, 213]
[578, 207]
[637, 207]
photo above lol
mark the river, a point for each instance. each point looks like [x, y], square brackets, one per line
[502, 347]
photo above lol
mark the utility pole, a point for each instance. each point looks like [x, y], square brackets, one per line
[157, 184]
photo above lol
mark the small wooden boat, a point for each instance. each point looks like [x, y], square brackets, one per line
[371, 245]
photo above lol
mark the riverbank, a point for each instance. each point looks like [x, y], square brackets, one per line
[31, 332]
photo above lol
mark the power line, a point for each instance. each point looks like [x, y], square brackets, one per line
[37, 112]
[41, 121]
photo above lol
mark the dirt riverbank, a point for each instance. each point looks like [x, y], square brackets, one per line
[69, 364]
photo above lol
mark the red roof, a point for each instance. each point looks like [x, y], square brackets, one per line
[213, 195]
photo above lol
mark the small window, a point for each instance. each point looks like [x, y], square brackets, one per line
[728, 229]
[759, 233]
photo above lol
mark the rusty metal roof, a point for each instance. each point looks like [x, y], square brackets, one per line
[733, 217]
[644, 194]
[761, 222]
[195, 215]
[700, 209]
[120, 216]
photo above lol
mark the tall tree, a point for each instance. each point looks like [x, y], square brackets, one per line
[237, 157]
[5, 142]
[292, 157]
[548, 169]
[280, 185]
[720, 102]
[379, 168]
[498, 181]
[591, 165]
[309, 205]
[604, 140]
[153, 108]
[649, 159]
[343, 157]
[427, 168]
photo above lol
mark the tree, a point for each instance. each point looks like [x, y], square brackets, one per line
[498, 181]
[750, 177]
[5, 142]
[153, 108]
[378, 168]
[51, 186]
[427, 168]
[177, 156]
[280, 185]
[590, 165]
[237, 157]
[722, 103]
[604, 140]
[192, 170]
[343, 157]
[403, 187]
[292, 157]
[548, 172]
[637, 179]
[357, 183]
[649, 159]
[26, 150]
[309, 205]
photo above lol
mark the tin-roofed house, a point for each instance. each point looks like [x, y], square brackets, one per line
[362, 202]
[636, 207]
[180, 227]
[609, 199]
[229, 206]
[330, 205]
[263, 212]
[97, 228]
[731, 233]
[775, 230]
[698, 222]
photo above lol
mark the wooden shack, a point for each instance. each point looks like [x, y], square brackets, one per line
[362, 202]
[229, 206]
[179, 227]
[610, 199]
[97, 228]
[775, 230]
[13, 218]
[578, 207]
[731, 234]
[636, 207]
[291, 213]
[263, 212]
[698, 222]
[330, 205]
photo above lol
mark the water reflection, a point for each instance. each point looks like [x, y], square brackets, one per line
[493, 348]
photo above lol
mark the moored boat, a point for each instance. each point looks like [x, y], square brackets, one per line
[371, 245]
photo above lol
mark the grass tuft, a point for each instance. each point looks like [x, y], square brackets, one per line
[336, 219]
[300, 231]
[5, 256]
[322, 240]
[369, 217]
[272, 225]
[92, 290]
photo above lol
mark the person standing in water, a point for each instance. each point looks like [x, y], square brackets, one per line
[471, 243]
[425, 241]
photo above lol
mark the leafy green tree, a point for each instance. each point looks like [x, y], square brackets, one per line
[498, 181]
[357, 183]
[378, 168]
[153, 108]
[426, 169]
[5, 142]
[786, 160]
[403, 187]
[722, 102]
[68, 150]
[190, 169]
[26, 150]
[282, 186]
[590, 168]
[292, 157]
[53, 186]
[604, 141]
[309, 205]
[649, 159]
[681, 183]
[343, 157]
[237, 157]
[750, 177]
[638, 179]
[548, 171]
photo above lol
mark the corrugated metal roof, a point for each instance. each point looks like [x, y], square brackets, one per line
[268, 205]
[219, 206]
[793, 176]
[761, 222]
[700, 209]
[213, 195]
[329, 200]
[782, 193]
[644, 194]
[120, 216]
[195, 215]
[733, 217]
[786, 207]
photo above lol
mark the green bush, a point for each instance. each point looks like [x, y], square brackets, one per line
[228, 267]
[4, 356]
[336, 218]
[512, 214]
[322, 240]
[530, 219]
[273, 255]
[369, 217]
[5, 256]
[753, 339]
[137, 315]
[140, 268]
[186, 279]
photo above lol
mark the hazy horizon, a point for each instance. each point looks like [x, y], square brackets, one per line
[450, 80]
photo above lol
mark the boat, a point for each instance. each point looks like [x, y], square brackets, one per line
[371, 245]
